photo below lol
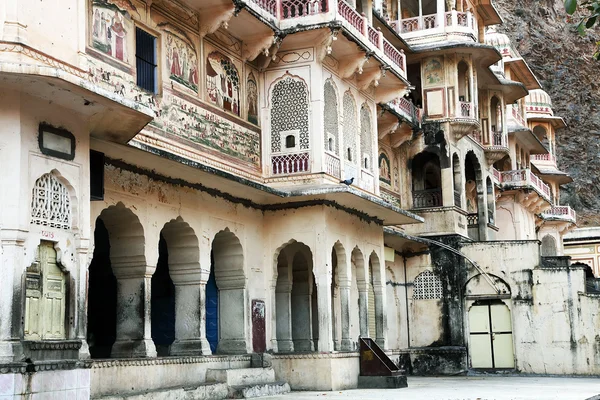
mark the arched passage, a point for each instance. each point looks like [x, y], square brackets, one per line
[296, 306]
[227, 270]
[340, 297]
[426, 180]
[102, 297]
[474, 190]
[128, 262]
[456, 173]
[376, 293]
[359, 311]
[176, 323]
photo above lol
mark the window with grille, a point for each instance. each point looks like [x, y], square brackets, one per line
[145, 58]
[427, 286]
[50, 203]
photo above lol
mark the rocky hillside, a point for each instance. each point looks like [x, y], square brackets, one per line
[562, 61]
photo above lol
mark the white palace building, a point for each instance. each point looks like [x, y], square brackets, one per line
[171, 205]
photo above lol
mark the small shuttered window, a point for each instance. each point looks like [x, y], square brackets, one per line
[145, 57]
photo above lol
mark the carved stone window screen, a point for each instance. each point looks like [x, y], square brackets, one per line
[50, 203]
[427, 286]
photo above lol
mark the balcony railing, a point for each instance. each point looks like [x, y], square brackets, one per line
[366, 181]
[287, 9]
[427, 198]
[543, 157]
[290, 163]
[472, 219]
[332, 165]
[405, 107]
[351, 15]
[561, 212]
[499, 139]
[466, 109]
[452, 19]
[524, 177]
[518, 117]
[497, 175]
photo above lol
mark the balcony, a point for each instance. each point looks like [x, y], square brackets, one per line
[452, 26]
[516, 120]
[404, 108]
[289, 14]
[498, 148]
[560, 213]
[290, 163]
[544, 159]
[525, 179]
[427, 198]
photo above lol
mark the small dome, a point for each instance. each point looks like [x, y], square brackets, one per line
[500, 41]
[538, 102]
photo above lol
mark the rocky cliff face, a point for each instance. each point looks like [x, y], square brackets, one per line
[562, 61]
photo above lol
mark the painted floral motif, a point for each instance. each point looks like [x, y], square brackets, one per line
[433, 71]
[384, 169]
[252, 99]
[111, 27]
[223, 82]
[182, 62]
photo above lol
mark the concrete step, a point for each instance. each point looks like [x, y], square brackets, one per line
[258, 390]
[382, 382]
[241, 376]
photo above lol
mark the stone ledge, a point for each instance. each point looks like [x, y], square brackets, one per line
[166, 360]
[315, 355]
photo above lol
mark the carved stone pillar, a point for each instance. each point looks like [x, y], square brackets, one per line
[346, 344]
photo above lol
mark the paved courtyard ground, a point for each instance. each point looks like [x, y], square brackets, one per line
[471, 388]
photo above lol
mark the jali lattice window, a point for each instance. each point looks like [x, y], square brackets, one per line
[289, 110]
[427, 286]
[366, 146]
[50, 203]
[350, 128]
[331, 117]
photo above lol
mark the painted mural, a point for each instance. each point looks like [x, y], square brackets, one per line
[192, 122]
[185, 119]
[252, 99]
[112, 28]
[384, 169]
[223, 82]
[182, 62]
[434, 72]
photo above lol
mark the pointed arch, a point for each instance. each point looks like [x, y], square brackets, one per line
[289, 99]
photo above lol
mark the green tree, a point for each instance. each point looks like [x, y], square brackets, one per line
[589, 15]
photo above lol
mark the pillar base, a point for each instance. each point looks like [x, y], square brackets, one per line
[232, 346]
[84, 350]
[285, 346]
[347, 345]
[133, 348]
[11, 351]
[304, 345]
[190, 347]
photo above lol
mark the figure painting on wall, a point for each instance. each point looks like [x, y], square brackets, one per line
[252, 99]
[384, 169]
[223, 82]
[111, 27]
[182, 62]
[433, 71]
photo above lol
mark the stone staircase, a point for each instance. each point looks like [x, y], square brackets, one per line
[245, 383]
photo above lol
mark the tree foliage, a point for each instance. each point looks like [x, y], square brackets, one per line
[589, 15]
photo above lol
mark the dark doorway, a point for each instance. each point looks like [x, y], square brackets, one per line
[163, 302]
[102, 297]
[212, 308]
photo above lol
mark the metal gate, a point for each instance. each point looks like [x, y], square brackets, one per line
[490, 335]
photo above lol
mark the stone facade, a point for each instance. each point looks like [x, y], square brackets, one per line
[171, 198]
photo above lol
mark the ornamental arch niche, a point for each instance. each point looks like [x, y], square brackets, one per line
[53, 202]
[226, 295]
[350, 134]
[331, 116]
[549, 247]
[366, 138]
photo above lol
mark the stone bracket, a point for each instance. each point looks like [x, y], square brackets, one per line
[353, 64]
[213, 18]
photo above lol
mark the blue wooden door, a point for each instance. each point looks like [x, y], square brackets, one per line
[212, 311]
